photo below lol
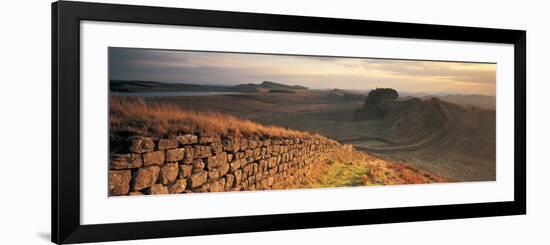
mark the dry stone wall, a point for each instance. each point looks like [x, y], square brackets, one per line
[194, 163]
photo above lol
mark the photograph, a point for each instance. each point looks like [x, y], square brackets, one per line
[202, 121]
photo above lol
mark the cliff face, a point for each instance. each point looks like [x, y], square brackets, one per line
[198, 163]
[374, 107]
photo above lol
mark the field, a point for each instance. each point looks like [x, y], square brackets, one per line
[136, 116]
[450, 136]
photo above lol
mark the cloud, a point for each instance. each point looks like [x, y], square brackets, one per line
[462, 72]
[311, 71]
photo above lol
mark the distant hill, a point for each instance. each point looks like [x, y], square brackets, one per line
[455, 139]
[480, 101]
[345, 95]
[151, 86]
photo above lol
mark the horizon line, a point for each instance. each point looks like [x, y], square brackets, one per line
[292, 85]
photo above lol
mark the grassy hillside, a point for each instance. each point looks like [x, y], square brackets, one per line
[135, 116]
[466, 153]
[362, 169]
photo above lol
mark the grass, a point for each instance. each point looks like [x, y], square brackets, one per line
[361, 169]
[136, 116]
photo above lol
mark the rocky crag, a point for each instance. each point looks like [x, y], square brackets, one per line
[373, 107]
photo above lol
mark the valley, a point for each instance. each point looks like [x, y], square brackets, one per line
[451, 136]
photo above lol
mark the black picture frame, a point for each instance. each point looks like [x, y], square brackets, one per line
[66, 18]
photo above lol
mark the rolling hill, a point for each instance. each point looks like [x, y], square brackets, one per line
[151, 86]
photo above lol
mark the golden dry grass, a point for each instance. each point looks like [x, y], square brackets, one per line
[134, 116]
[137, 116]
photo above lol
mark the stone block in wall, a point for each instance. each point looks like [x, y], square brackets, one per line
[257, 154]
[259, 175]
[139, 144]
[213, 174]
[119, 182]
[135, 193]
[243, 143]
[218, 185]
[187, 139]
[223, 157]
[263, 164]
[185, 171]
[229, 178]
[271, 163]
[203, 188]
[249, 153]
[125, 161]
[237, 188]
[188, 156]
[168, 173]
[244, 184]
[223, 169]
[251, 179]
[238, 177]
[236, 164]
[145, 177]
[198, 165]
[229, 157]
[202, 151]
[153, 158]
[255, 167]
[208, 139]
[212, 162]
[164, 144]
[231, 145]
[177, 186]
[174, 155]
[239, 155]
[157, 189]
[263, 184]
[247, 170]
[258, 185]
[216, 148]
[198, 178]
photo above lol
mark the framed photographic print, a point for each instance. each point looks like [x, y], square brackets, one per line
[176, 122]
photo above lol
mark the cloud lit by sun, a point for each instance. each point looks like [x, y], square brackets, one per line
[310, 71]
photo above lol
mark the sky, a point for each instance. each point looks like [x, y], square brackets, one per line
[314, 72]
